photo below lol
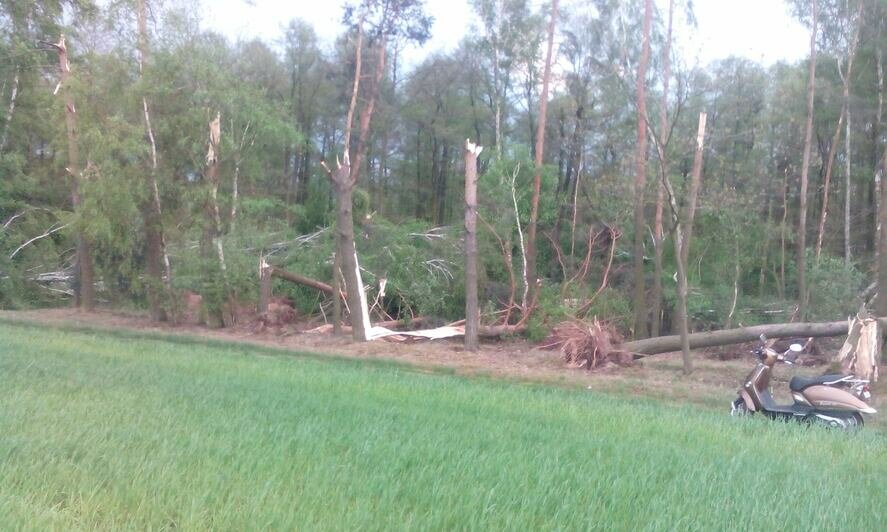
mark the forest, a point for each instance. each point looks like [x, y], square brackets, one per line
[563, 162]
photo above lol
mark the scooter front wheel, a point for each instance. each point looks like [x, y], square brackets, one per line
[738, 408]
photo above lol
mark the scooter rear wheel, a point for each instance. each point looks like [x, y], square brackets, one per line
[848, 421]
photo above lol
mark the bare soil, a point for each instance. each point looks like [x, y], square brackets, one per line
[713, 383]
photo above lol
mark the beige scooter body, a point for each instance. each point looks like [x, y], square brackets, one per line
[816, 400]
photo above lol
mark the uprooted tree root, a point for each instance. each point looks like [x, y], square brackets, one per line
[589, 344]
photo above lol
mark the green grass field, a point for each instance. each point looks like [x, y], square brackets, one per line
[122, 432]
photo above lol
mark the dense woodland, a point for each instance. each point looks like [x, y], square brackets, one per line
[146, 161]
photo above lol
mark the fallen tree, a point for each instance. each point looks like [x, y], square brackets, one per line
[302, 280]
[665, 344]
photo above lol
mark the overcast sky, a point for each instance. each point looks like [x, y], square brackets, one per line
[761, 30]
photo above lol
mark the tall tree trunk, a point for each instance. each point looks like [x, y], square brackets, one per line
[656, 304]
[347, 251]
[805, 169]
[878, 176]
[782, 230]
[211, 246]
[640, 182]
[540, 152]
[10, 111]
[472, 314]
[84, 290]
[157, 264]
[497, 82]
[829, 164]
[881, 302]
[851, 54]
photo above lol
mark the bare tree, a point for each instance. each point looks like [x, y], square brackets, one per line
[472, 314]
[640, 181]
[540, 148]
[805, 169]
[84, 289]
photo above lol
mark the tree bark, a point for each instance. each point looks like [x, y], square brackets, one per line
[472, 313]
[640, 182]
[84, 290]
[667, 344]
[357, 303]
[805, 169]
[539, 157]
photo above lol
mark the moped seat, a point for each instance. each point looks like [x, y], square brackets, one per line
[799, 383]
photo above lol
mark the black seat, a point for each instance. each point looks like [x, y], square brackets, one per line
[799, 383]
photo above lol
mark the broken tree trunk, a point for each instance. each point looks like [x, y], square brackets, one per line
[84, 289]
[211, 244]
[861, 351]
[667, 344]
[265, 270]
[472, 313]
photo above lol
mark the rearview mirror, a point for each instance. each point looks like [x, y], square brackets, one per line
[797, 348]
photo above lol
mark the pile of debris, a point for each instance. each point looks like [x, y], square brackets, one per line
[589, 344]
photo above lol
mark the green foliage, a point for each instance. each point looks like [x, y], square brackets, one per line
[833, 286]
[614, 306]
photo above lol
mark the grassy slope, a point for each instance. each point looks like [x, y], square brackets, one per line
[111, 432]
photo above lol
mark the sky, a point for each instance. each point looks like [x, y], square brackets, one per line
[760, 30]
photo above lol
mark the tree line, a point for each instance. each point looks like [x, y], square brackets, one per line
[145, 160]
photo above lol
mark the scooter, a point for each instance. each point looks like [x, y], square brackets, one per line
[831, 400]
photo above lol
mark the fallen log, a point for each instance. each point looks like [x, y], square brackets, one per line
[666, 344]
[301, 279]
